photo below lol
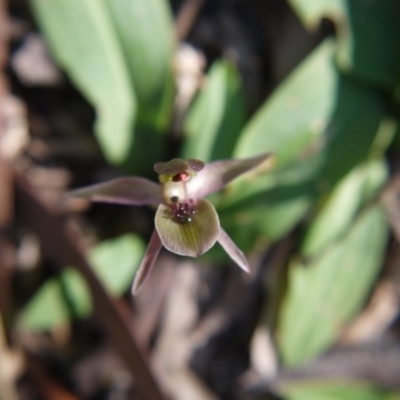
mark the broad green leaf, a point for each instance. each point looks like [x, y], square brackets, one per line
[368, 35]
[148, 148]
[217, 115]
[67, 296]
[352, 129]
[273, 204]
[56, 302]
[350, 121]
[266, 221]
[83, 41]
[347, 114]
[272, 214]
[145, 31]
[267, 206]
[369, 44]
[116, 260]
[311, 12]
[296, 113]
[339, 212]
[332, 390]
[323, 295]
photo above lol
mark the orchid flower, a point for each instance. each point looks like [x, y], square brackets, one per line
[185, 223]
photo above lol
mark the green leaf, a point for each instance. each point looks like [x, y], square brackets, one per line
[348, 115]
[145, 31]
[368, 35]
[217, 115]
[148, 148]
[271, 214]
[369, 44]
[323, 295]
[296, 113]
[311, 12]
[336, 390]
[274, 204]
[116, 261]
[345, 113]
[67, 296]
[265, 206]
[352, 129]
[82, 39]
[339, 212]
[56, 302]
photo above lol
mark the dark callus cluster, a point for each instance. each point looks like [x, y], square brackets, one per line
[183, 212]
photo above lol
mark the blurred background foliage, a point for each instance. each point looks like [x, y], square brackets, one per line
[332, 123]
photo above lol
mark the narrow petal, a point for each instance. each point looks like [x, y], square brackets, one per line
[233, 251]
[129, 190]
[146, 266]
[186, 233]
[216, 175]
